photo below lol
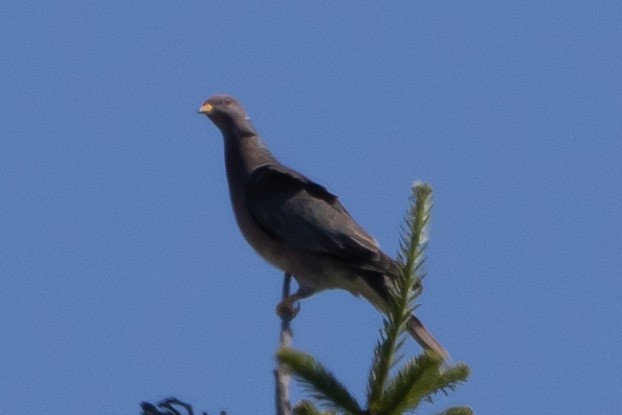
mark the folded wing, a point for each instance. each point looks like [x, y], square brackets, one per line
[292, 208]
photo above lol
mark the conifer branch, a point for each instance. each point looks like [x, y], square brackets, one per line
[418, 380]
[457, 410]
[307, 408]
[404, 291]
[318, 381]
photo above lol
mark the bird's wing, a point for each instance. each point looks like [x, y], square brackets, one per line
[305, 215]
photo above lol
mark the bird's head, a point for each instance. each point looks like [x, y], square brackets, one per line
[228, 115]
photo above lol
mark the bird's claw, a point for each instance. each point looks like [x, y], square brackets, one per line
[288, 308]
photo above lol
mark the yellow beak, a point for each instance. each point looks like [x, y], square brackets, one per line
[206, 108]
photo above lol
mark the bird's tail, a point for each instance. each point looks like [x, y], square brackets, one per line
[425, 338]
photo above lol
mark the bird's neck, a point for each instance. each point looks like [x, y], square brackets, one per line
[244, 154]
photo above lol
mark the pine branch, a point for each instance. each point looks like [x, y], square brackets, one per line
[418, 380]
[415, 236]
[318, 381]
[457, 410]
[169, 406]
[403, 293]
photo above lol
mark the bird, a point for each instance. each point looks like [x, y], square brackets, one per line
[298, 226]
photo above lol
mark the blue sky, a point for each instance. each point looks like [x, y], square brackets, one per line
[123, 276]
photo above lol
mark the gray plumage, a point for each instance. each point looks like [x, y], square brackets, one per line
[299, 226]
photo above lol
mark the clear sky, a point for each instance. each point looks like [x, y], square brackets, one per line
[123, 276]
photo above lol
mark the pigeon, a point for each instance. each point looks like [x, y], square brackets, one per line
[298, 226]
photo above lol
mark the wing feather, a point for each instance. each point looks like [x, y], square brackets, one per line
[291, 207]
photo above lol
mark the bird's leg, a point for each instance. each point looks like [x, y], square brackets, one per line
[288, 307]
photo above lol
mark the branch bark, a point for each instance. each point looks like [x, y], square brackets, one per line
[281, 375]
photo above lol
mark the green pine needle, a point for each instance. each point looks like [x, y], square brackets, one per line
[458, 410]
[418, 380]
[322, 384]
[403, 293]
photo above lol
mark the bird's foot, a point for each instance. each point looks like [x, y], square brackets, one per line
[288, 308]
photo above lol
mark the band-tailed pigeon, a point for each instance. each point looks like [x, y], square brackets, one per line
[297, 225]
